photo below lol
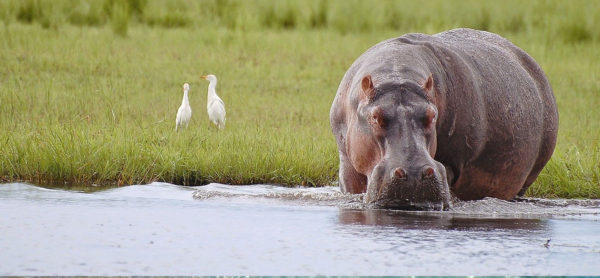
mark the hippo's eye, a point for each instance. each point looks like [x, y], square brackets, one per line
[377, 119]
[429, 118]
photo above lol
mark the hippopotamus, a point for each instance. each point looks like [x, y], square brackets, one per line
[423, 120]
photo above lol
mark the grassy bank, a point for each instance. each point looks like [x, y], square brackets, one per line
[89, 89]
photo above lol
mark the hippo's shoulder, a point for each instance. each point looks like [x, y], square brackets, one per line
[467, 33]
[452, 38]
[466, 36]
[413, 43]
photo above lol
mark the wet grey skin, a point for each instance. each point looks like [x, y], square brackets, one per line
[421, 120]
[407, 177]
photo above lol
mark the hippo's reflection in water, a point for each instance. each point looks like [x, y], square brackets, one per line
[435, 221]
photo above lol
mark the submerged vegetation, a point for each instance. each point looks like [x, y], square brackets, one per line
[89, 89]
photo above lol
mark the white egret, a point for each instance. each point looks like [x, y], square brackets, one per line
[214, 104]
[184, 113]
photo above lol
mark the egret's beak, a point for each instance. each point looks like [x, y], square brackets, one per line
[203, 76]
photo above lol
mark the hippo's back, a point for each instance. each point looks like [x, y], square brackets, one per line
[512, 114]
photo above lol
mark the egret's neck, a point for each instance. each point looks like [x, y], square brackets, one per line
[211, 89]
[185, 97]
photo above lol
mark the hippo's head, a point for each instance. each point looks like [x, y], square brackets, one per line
[395, 126]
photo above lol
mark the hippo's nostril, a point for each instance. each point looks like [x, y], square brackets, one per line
[428, 172]
[399, 173]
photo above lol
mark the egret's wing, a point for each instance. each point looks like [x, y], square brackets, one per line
[219, 101]
[178, 118]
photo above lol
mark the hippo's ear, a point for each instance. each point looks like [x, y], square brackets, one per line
[428, 87]
[367, 87]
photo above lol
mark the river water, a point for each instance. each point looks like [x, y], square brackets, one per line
[164, 229]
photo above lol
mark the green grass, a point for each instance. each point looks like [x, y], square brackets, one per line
[89, 89]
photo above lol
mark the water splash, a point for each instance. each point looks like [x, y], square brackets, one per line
[332, 196]
[529, 208]
[323, 196]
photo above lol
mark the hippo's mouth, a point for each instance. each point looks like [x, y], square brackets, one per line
[430, 195]
[409, 205]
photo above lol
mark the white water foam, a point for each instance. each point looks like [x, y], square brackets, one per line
[332, 196]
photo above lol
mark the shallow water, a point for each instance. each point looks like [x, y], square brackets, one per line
[267, 230]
